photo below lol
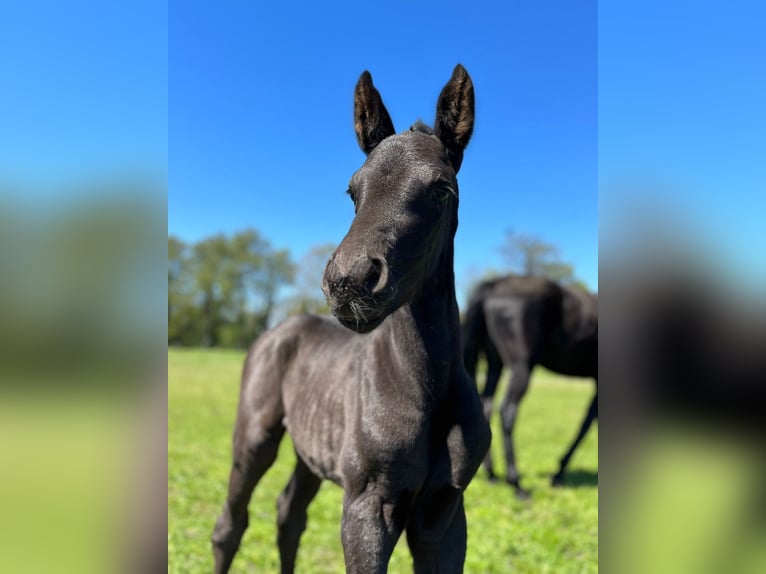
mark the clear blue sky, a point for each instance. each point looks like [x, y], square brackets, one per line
[84, 94]
[682, 118]
[247, 107]
[261, 130]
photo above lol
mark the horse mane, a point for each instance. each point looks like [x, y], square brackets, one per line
[419, 126]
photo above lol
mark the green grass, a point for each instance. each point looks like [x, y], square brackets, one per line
[556, 532]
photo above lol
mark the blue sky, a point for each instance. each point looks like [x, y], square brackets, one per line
[682, 121]
[84, 94]
[261, 130]
[246, 108]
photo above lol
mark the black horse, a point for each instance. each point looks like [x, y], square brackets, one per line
[381, 405]
[521, 322]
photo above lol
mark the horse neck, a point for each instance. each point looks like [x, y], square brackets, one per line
[435, 308]
[424, 334]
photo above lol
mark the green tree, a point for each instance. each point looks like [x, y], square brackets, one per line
[277, 271]
[308, 296]
[209, 260]
[222, 290]
[181, 312]
[530, 255]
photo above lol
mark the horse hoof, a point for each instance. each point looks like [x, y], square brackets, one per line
[522, 494]
[557, 480]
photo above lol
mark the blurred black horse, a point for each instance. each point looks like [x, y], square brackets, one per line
[520, 322]
[381, 405]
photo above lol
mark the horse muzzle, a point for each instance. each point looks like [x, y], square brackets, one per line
[356, 294]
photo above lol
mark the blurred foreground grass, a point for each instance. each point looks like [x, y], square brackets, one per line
[556, 532]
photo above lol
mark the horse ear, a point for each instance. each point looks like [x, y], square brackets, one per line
[372, 123]
[454, 115]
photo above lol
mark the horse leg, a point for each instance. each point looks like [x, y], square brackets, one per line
[592, 414]
[494, 369]
[255, 450]
[520, 373]
[291, 513]
[371, 525]
[436, 534]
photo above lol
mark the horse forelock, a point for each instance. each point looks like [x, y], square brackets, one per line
[419, 126]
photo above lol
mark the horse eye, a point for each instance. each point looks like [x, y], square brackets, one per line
[442, 193]
[351, 194]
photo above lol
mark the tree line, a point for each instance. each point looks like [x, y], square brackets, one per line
[225, 290]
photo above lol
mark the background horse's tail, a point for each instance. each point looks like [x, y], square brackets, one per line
[474, 332]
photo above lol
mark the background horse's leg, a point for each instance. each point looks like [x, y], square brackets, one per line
[436, 534]
[255, 450]
[592, 413]
[520, 373]
[494, 370]
[291, 513]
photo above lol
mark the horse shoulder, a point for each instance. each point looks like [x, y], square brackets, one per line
[468, 434]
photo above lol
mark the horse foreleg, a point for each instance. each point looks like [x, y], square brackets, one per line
[291, 513]
[436, 534]
[592, 414]
[494, 369]
[370, 527]
[516, 389]
[254, 452]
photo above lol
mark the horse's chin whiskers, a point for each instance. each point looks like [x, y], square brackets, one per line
[360, 308]
[357, 313]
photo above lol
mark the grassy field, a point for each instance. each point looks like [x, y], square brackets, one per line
[556, 531]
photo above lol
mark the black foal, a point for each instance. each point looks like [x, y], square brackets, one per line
[381, 403]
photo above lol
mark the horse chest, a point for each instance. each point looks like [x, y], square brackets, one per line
[390, 432]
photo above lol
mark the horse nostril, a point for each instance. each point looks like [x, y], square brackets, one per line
[367, 276]
[330, 278]
[372, 274]
[379, 277]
